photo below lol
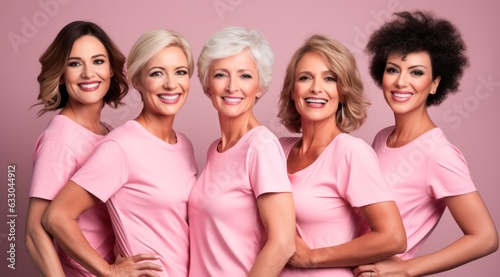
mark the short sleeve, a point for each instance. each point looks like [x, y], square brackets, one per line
[448, 173]
[267, 165]
[53, 164]
[105, 172]
[365, 182]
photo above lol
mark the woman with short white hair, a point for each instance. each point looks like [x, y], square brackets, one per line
[241, 214]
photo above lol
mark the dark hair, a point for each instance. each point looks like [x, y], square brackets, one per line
[416, 32]
[54, 95]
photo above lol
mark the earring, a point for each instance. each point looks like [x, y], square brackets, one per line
[342, 112]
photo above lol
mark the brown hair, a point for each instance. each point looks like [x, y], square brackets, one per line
[54, 95]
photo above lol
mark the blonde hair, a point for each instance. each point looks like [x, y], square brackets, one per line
[149, 44]
[350, 87]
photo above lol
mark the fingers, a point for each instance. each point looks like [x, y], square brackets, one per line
[144, 257]
[358, 271]
[149, 266]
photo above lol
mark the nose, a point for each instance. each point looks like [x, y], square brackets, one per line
[232, 85]
[401, 81]
[316, 86]
[87, 72]
[169, 83]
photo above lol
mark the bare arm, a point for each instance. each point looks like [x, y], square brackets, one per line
[278, 216]
[39, 243]
[386, 239]
[480, 239]
[61, 221]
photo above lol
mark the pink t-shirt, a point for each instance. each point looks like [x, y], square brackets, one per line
[329, 192]
[420, 174]
[145, 183]
[225, 228]
[61, 150]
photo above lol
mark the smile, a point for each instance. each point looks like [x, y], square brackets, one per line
[170, 97]
[89, 86]
[232, 100]
[402, 95]
[316, 101]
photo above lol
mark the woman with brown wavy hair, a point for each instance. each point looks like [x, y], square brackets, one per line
[82, 70]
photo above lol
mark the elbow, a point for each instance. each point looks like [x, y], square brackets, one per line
[49, 221]
[396, 243]
[491, 243]
[400, 243]
[286, 247]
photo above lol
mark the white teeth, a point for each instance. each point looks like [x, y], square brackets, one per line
[315, 100]
[169, 97]
[231, 99]
[89, 86]
[402, 95]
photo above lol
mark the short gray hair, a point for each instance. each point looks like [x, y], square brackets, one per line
[231, 41]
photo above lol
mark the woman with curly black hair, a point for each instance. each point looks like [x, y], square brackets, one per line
[418, 59]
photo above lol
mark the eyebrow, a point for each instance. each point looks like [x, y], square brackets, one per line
[163, 68]
[93, 57]
[411, 67]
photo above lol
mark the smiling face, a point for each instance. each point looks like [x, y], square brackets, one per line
[407, 82]
[164, 82]
[233, 85]
[88, 73]
[315, 90]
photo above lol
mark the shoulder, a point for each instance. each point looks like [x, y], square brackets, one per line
[384, 133]
[351, 143]
[260, 136]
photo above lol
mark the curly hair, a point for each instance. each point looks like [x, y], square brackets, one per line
[350, 87]
[416, 32]
[54, 95]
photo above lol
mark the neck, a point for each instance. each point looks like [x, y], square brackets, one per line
[232, 129]
[159, 126]
[317, 135]
[408, 127]
[88, 116]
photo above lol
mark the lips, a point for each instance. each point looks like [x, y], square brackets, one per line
[232, 100]
[170, 98]
[89, 86]
[401, 96]
[315, 102]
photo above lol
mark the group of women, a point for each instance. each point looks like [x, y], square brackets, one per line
[130, 201]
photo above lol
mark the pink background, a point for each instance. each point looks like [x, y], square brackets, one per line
[27, 28]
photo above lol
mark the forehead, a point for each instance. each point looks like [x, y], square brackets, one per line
[170, 55]
[88, 43]
[241, 61]
[410, 59]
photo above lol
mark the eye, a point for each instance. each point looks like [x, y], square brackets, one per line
[330, 78]
[219, 75]
[303, 78]
[182, 72]
[391, 70]
[99, 61]
[246, 76]
[73, 64]
[155, 74]
[417, 72]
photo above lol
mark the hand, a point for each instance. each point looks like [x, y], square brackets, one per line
[392, 267]
[302, 256]
[133, 266]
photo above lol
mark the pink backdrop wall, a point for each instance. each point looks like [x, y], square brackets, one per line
[469, 118]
